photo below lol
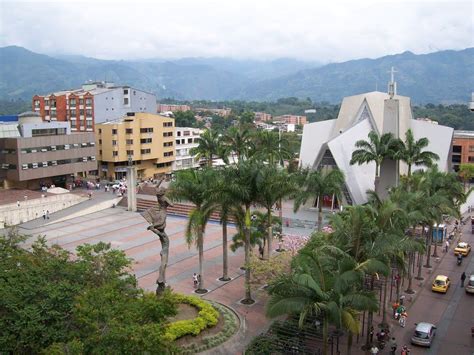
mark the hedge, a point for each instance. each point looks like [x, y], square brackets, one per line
[208, 316]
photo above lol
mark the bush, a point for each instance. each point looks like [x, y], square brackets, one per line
[208, 316]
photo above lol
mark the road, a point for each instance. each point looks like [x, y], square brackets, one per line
[452, 313]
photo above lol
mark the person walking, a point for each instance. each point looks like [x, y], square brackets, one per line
[463, 278]
[374, 350]
[195, 280]
[47, 214]
[44, 214]
[446, 246]
[405, 350]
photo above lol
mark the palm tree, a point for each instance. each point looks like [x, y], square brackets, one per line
[320, 183]
[238, 141]
[325, 282]
[376, 149]
[194, 186]
[242, 184]
[208, 146]
[411, 152]
[220, 195]
[273, 184]
[270, 147]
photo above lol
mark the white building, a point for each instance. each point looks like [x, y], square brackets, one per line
[186, 139]
[331, 142]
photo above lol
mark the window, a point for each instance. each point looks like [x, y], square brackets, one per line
[125, 100]
[114, 142]
[457, 149]
[24, 166]
[81, 101]
[72, 102]
[46, 102]
[89, 112]
[177, 141]
[72, 112]
[168, 154]
[125, 91]
[53, 113]
[190, 140]
[53, 103]
[145, 151]
[129, 152]
[162, 165]
[167, 124]
[74, 124]
[146, 130]
[471, 159]
[167, 134]
[167, 144]
[114, 154]
[46, 112]
[100, 130]
[88, 102]
[129, 141]
[81, 112]
[100, 152]
[145, 140]
[89, 124]
[37, 103]
[114, 131]
[179, 133]
[100, 141]
[129, 130]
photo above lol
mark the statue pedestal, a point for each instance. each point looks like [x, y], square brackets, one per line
[131, 189]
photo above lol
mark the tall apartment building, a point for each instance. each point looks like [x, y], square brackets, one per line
[291, 119]
[93, 103]
[262, 117]
[45, 153]
[463, 149]
[147, 139]
[172, 108]
[186, 139]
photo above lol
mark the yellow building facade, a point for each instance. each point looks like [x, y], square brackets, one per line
[146, 138]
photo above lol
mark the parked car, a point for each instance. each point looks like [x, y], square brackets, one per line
[441, 284]
[470, 284]
[462, 248]
[423, 334]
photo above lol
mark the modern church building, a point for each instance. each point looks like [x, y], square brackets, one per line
[331, 143]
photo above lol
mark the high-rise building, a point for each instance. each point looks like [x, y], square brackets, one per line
[93, 103]
[463, 148]
[262, 117]
[142, 139]
[45, 153]
[186, 139]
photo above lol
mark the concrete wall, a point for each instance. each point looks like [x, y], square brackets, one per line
[11, 214]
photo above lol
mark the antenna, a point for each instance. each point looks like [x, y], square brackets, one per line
[392, 85]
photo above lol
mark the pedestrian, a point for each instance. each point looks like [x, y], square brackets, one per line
[18, 203]
[402, 299]
[405, 350]
[374, 349]
[199, 280]
[393, 346]
[371, 334]
[463, 278]
[260, 250]
[446, 245]
[47, 214]
[195, 280]
[44, 214]
[90, 195]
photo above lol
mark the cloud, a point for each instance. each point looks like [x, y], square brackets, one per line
[305, 29]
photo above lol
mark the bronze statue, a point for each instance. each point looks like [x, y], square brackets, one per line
[156, 216]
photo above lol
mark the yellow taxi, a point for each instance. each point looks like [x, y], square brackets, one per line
[441, 284]
[462, 248]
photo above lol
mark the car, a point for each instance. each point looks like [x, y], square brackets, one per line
[423, 334]
[470, 284]
[462, 248]
[441, 284]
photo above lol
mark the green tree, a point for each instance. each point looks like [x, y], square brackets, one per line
[194, 186]
[237, 140]
[270, 147]
[412, 152]
[466, 172]
[376, 149]
[208, 146]
[185, 119]
[319, 183]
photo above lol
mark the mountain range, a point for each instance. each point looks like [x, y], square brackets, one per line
[439, 77]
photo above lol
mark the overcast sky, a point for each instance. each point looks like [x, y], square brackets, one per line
[328, 31]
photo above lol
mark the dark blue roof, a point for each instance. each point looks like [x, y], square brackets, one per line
[9, 118]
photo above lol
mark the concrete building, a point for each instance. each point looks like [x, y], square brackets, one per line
[45, 153]
[148, 139]
[186, 139]
[93, 103]
[291, 119]
[224, 112]
[172, 108]
[463, 148]
[331, 143]
[262, 117]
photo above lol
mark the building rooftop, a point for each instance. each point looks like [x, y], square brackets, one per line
[463, 134]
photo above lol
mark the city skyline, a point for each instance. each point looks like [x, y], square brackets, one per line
[324, 32]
